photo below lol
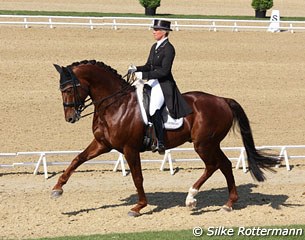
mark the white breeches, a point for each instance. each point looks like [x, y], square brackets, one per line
[157, 98]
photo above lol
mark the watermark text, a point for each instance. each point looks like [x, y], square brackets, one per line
[247, 231]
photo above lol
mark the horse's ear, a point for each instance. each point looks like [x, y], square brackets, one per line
[58, 68]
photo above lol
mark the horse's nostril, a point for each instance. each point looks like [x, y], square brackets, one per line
[71, 120]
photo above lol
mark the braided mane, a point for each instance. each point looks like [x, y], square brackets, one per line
[99, 64]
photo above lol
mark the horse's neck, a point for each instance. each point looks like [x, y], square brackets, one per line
[104, 87]
[116, 105]
[115, 101]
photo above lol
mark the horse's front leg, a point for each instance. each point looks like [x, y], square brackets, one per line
[134, 162]
[94, 149]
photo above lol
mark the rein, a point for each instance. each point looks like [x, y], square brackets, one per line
[99, 102]
[130, 79]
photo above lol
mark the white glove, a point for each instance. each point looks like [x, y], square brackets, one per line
[138, 75]
[131, 69]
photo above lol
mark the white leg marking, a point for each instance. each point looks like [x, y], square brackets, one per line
[190, 201]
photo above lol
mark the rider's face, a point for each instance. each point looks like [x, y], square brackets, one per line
[158, 34]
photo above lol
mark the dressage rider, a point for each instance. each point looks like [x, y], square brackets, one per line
[158, 72]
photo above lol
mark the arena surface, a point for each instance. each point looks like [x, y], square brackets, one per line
[262, 71]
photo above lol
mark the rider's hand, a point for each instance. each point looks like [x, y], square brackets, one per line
[138, 75]
[131, 69]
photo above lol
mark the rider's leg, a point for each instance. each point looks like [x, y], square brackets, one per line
[158, 123]
[156, 103]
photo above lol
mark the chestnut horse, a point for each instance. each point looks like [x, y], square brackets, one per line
[118, 124]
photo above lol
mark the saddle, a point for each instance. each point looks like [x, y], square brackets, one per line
[143, 94]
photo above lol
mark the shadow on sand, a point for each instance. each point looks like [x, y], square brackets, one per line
[206, 198]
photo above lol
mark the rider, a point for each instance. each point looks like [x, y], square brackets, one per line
[158, 72]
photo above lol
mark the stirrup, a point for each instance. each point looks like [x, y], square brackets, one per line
[161, 149]
[154, 148]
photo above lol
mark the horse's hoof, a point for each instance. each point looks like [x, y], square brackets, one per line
[56, 193]
[191, 204]
[227, 208]
[133, 214]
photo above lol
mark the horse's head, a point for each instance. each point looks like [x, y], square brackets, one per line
[73, 94]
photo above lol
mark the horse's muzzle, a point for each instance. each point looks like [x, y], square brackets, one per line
[74, 117]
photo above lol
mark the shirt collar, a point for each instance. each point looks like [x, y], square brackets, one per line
[160, 42]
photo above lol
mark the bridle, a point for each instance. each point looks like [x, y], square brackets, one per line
[78, 104]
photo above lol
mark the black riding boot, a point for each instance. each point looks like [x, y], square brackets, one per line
[158, 124]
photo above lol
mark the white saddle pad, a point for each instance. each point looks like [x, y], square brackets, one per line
[169, 122]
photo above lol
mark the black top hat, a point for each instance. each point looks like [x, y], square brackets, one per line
[162, 24]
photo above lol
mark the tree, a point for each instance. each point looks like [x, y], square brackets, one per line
[261, 6]
[150, 6]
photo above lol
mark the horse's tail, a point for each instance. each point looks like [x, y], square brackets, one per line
[256, 160]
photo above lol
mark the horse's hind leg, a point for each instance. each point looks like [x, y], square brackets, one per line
[211, 166]
[93, 150]
[226, 168]
[214, 159]
[190, 200]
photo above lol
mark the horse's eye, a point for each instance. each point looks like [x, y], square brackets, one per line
[68, 91]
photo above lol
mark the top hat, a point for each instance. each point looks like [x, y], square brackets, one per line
[162, 24]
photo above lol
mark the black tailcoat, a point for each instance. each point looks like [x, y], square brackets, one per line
[159, 66]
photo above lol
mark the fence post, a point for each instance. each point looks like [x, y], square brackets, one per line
[114, 25]
[284, 154]
[167, 157]
[214, 26]
[291, 28]
[235, 27]
[42, 159]
[25, 23]
[50, 22]
[91, 26]
[242, 160]
[152, 23]
[176, 26]
[120, 161]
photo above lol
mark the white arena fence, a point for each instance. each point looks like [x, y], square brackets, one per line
[239, 156]
[140, 22]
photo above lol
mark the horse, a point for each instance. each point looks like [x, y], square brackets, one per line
[118, 124]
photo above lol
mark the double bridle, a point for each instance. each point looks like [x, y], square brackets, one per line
[78, 104]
